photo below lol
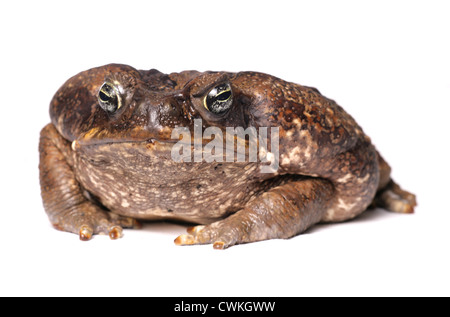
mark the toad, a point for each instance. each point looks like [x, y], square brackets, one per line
[121, 147]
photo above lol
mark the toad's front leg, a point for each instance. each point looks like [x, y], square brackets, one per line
[66, 206]
[281, 212]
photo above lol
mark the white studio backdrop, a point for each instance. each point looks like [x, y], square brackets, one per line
[386, 62]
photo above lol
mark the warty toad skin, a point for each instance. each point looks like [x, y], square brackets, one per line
[106, 158]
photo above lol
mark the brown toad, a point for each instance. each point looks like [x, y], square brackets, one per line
[107, 158]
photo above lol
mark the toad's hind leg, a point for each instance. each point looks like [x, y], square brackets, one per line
[389, 195]
[281, 212]
[66, 206]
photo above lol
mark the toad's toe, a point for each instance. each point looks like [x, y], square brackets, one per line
[115, 232]
[85, 233]
[215, 233]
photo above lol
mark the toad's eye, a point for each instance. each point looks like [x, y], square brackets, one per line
[109, 98]
[219, 99]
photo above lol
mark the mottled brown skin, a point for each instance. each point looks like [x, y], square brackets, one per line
[101, 171]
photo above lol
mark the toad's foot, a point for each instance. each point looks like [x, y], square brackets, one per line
[218, 233]
[91, 219]
[395, 199]
[282, 212]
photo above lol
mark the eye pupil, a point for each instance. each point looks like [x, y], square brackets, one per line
[104, 97]
[224, 96]
[219, 100]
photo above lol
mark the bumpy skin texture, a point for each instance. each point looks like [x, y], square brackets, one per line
[100, 171]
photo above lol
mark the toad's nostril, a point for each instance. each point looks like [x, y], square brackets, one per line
[181, 95]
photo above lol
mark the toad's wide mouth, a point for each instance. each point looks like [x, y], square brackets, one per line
[236, 147]
[106, 141]
[101, 136]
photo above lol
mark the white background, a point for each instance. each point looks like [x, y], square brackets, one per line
[386, 62]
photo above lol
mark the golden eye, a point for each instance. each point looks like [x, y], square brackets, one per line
[109, 98]
[219, 99]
